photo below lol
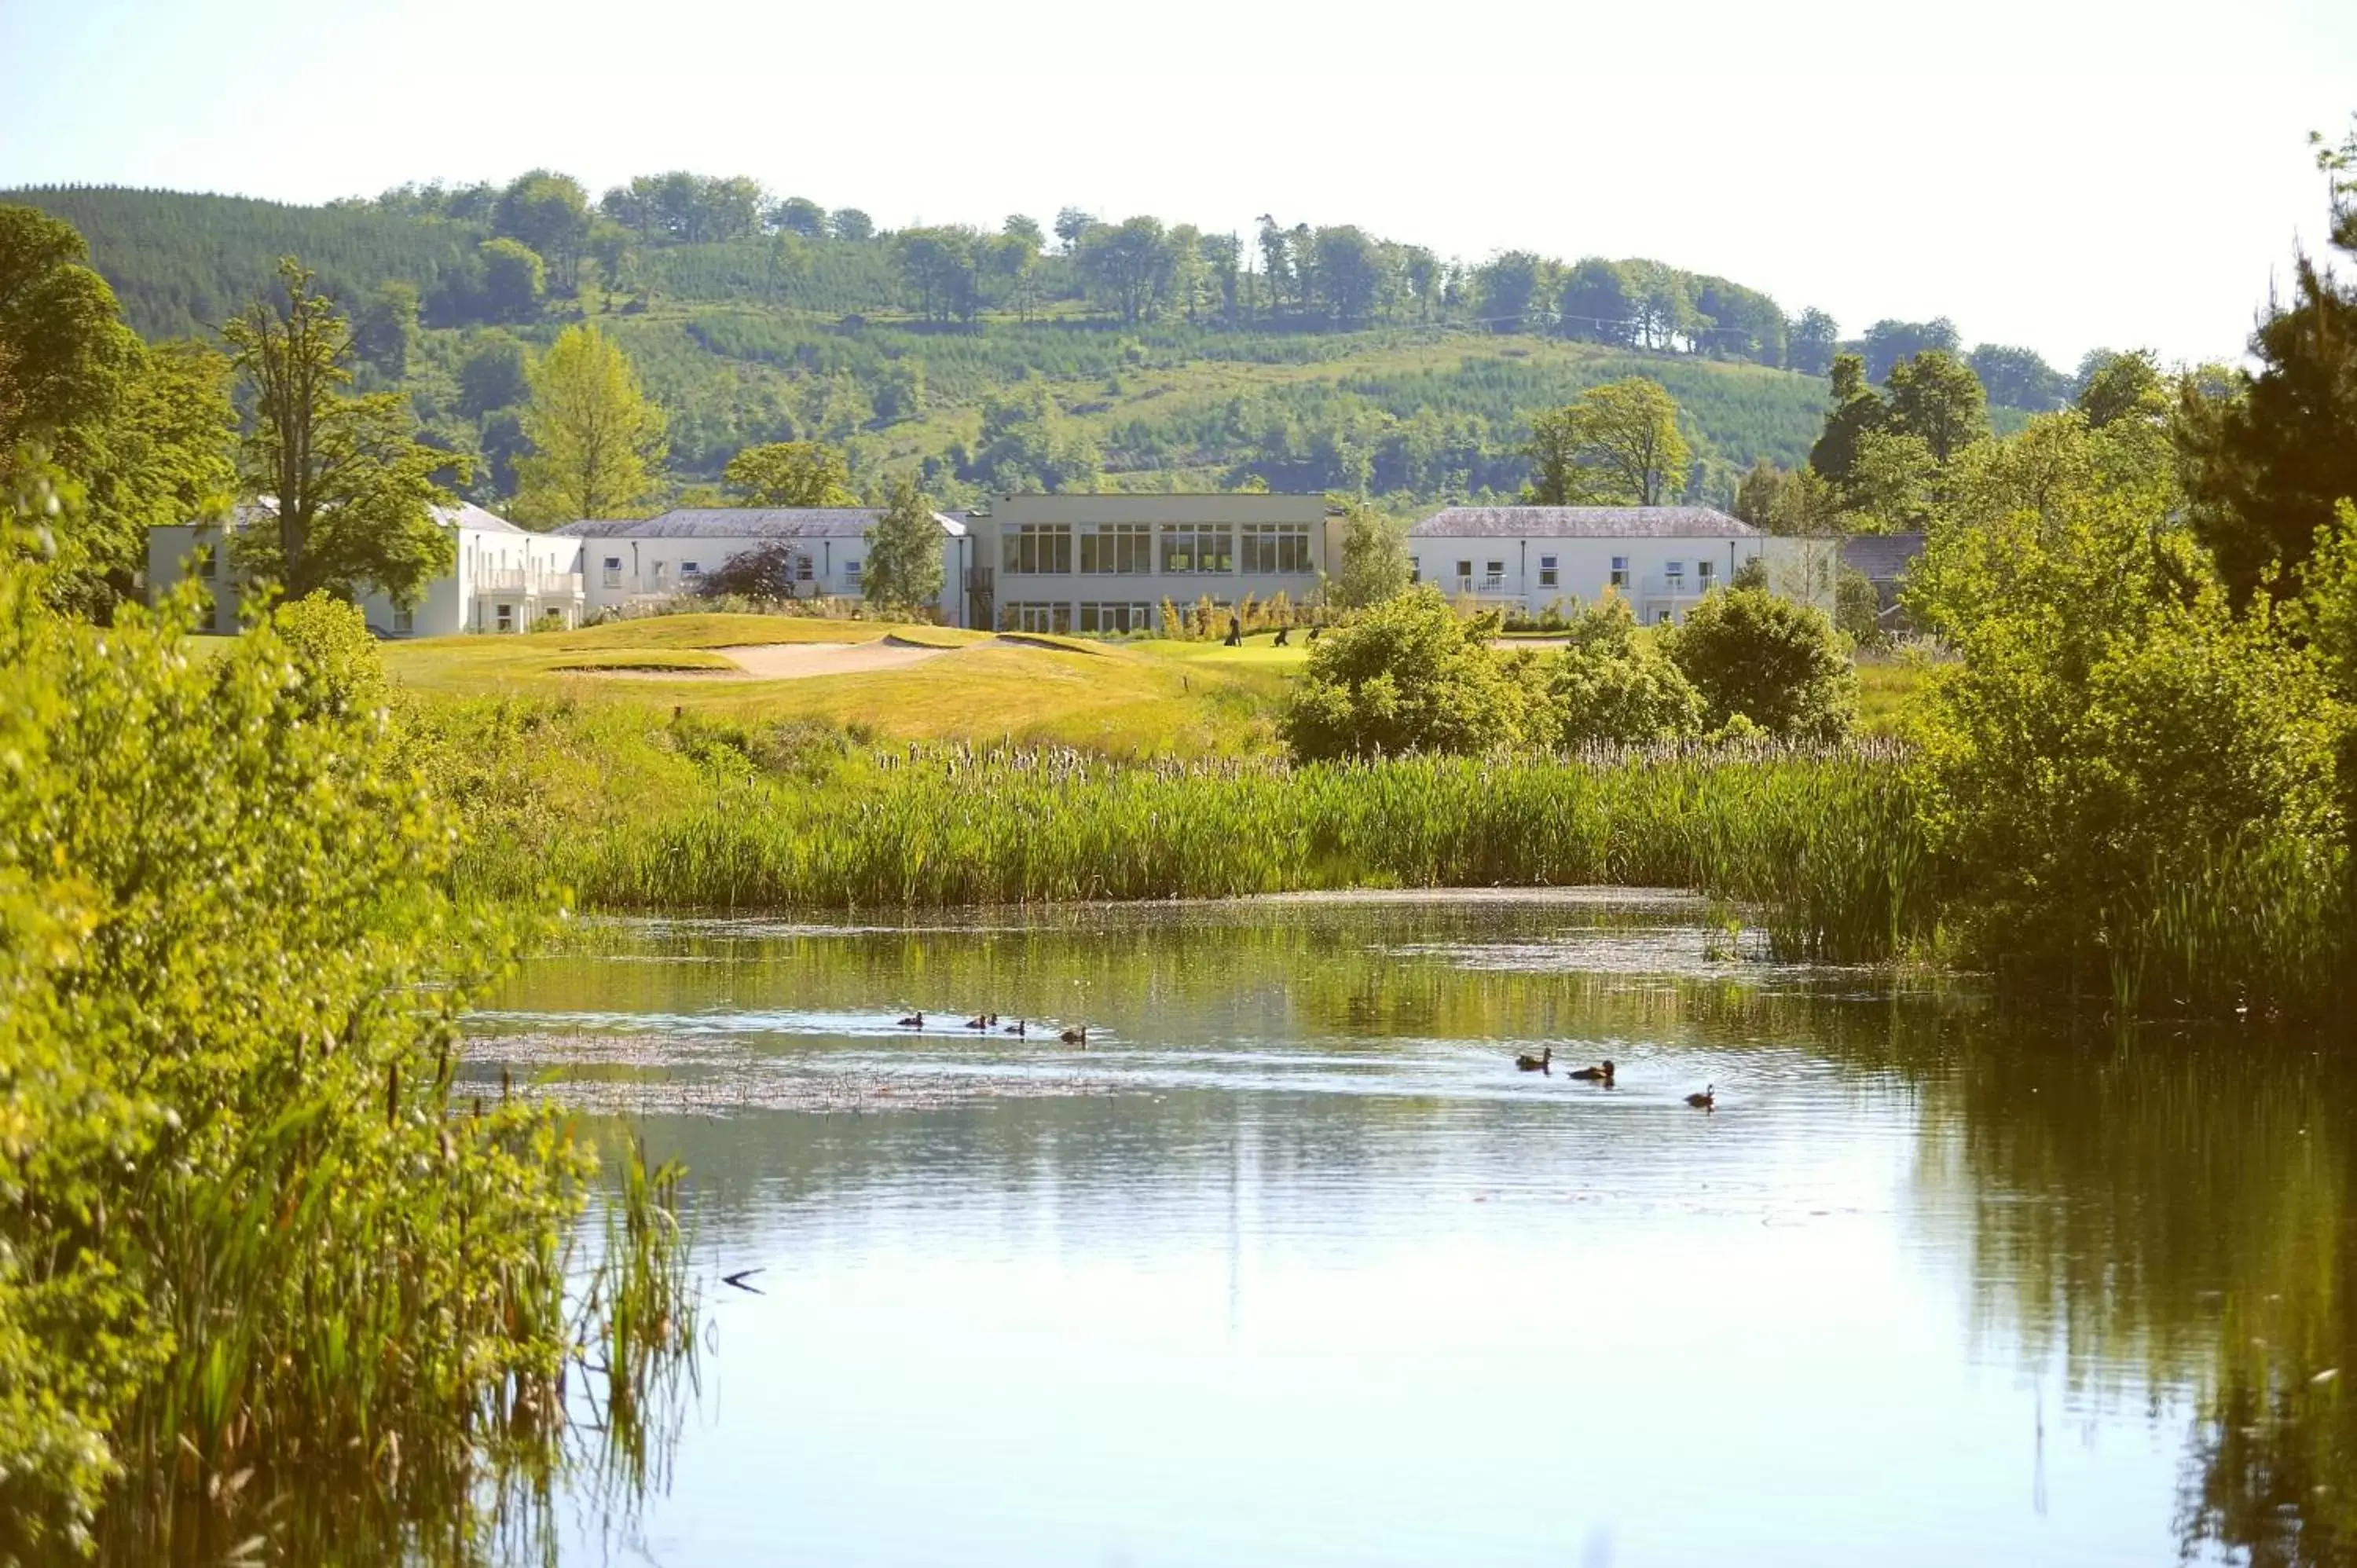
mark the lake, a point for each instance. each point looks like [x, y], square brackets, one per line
[1290, 1264]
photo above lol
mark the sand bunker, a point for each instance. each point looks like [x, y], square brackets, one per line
[782, 662]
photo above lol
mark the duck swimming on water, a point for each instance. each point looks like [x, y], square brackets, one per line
[1015, 1028]
[1707, 1101]
[913, 1020]
[1601, 1073]
[1077, 1036]
[1544, 1062]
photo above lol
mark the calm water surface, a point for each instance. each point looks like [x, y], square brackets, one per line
[1290, 1265]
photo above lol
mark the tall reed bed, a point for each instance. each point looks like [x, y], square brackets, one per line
[1824, 840]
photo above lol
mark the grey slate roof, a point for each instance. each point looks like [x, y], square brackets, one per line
[1581, 522]
[466, 514]
[742, 523]
[1883, 557]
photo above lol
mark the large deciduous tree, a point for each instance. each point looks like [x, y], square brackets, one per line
[791, 474]
[904, 552]
[1618, 444]
[549, 214]
[1374, 561]
[598, 442]
[350, 487]
[1935, 397]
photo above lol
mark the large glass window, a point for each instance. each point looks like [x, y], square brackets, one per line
[613, 571]
[1619, 570]
[1270, 547]
[1117, 548]
[1196, 548]
[1116, 617]
[1039, 547]
[1704, 571]
[1033, 616]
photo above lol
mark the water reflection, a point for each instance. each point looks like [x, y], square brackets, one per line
[1292, 1265]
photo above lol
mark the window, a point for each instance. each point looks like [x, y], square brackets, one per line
[404, 621]
[1660, 618]
[613, 571]
[1675, 575]
[1497, 569]
[1416, 568]
[1704, 571]
[1116, 617]
[1117, 548]
[1546, 572]
[1195, 548]
[802, 568]
[1619, 570]
[1039, 547]
[689, 569]
[1272, 547]
[1030, 616]
[205, 561]
[662, 575]
[1465, 571]
[850, 573]
[507, 617]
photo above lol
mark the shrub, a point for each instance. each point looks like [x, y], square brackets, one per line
[1778, 663]
[1613, 685]
[244, 1231]
[1407, 675]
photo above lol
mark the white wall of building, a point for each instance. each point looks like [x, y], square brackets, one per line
[618, 570]
[1099, 563]
[1660, 578]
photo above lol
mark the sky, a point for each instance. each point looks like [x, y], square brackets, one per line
[2060, 173]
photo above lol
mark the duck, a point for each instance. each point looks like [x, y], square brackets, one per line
[1707, 1101]
[1015, 1028]
[979, 1021]
[913, 1020]
[1077, 1036]
[1544, 1062]
[1601, 1073]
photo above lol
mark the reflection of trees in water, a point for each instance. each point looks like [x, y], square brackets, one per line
[2172, 1213]
[2163, 1215]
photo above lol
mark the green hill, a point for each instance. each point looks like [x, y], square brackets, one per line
[1411, 394]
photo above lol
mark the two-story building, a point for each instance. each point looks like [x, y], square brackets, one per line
[502, 578]
[1107, 562]
[638, 561]
[1661, 560]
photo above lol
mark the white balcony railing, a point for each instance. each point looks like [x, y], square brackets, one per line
[524, 580]
[1682, 586]
[1494, 582]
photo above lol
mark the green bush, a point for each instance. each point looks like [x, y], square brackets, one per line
[244, 1230]
[1612, 684]
[1780, 664]
[1407, 675]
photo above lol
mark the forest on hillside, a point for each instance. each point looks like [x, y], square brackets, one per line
[1134, 354]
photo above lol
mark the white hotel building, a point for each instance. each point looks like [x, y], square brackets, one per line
[1661, 559]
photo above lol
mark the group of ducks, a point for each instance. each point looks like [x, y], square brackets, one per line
[1602, 1073]
[1076, 1036]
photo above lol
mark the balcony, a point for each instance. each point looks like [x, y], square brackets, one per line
[529, 582]
[1680, 587]
[1492, 585]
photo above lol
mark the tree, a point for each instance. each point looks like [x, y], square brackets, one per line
[799, 215]
[1594, 304]
[1511, 284]
[942, 268]
[350, 488]
[1618, 444]
[2018, 378]
[548, 214]
[1936, 396]
[495, 374]
[513, 279]
[1129, 266]
[1374, 561]
[1612, 685]
[1894, 483]
[1408, 675]
[1888, 342]
[386, 333]
[791, 474]
[1857, 410]
[1352, 271]
[1816, 340]
[2124, 386]
[598, 443]
[903, 571]
[1755, 654]
[1027, 230]
[767, 573]
[850, 223]
[2265, 464]
[1786, 501]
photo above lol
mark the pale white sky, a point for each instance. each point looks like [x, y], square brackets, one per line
[2058, 173]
